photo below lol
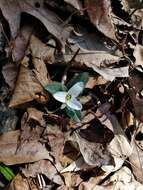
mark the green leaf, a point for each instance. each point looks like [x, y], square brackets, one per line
[82, 77]
[74, 114]
[55, 87]
[7, 172]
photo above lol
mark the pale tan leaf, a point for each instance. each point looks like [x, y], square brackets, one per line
[22, 183]
[72, 180]
[20, 44]
[119, 147]
[138, 54]
[55, 138]
[43, 167]
[30, 152]
[12, 12]
[40, 50]
[77, 165]
[26, 87]
[36, 115]
[95, 55]
[100, 15]
[19, 183]
[40, 71]
[122, 179]
[93, 139]
[136, 158]
[75, 3]
[94, 154]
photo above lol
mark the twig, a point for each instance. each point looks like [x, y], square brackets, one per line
[64, 77]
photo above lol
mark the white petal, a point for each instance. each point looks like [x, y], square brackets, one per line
[63, 106]
[76, 89]
[74, 104]
[60, 96]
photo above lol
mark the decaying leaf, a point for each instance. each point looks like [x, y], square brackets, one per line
[139, 136]
[135, 92]
[30, 152]
[29, 133]
[136, 158]
[43, 167]
[26, 88]
[77, 165]
[95, 56]
[119, 147]
[12, 13]
[122, 179]
[19, 183]
[75, 3]
[41, 51]
[22, 183]
[55, 139]
[72, 179]
[93, 142]
[36, 115]
[138, 54]
[20, 44]
[100, 15]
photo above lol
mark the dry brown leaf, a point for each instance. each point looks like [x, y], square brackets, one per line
[56, 142]
[139, 136]
[92, 141]
[136, 158]
[36, 115]
[22, 183]
[12, 12]
[76, 166]
[135, 3]
[43, 167]
[30, 152]
[100, 15]
[75, 3]
[135, 92]
[122, 179]
[29, 133]
[63, 187]
[19, 183]
[91, 183]
[138, 54]
[119, 147]
[40, 71]
[70, 153]
[95, 55]
[20, 44]
[26, 88]
[72, 180]
[40, 50]
[10, 72]
[91, 83]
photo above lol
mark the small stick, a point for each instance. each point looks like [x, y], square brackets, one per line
[64, 77]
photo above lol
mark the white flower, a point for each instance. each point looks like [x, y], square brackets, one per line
[69, 98]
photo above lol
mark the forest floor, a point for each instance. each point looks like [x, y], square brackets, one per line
[71, 95]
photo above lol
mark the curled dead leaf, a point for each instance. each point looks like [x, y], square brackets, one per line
[93, 142]
[26, 88]
[43, 167]
[100, 15]
[30, 152]
[12, 13]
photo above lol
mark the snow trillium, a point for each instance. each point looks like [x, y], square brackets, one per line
[69, 98]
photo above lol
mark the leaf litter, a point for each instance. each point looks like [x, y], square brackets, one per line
[57, 56]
